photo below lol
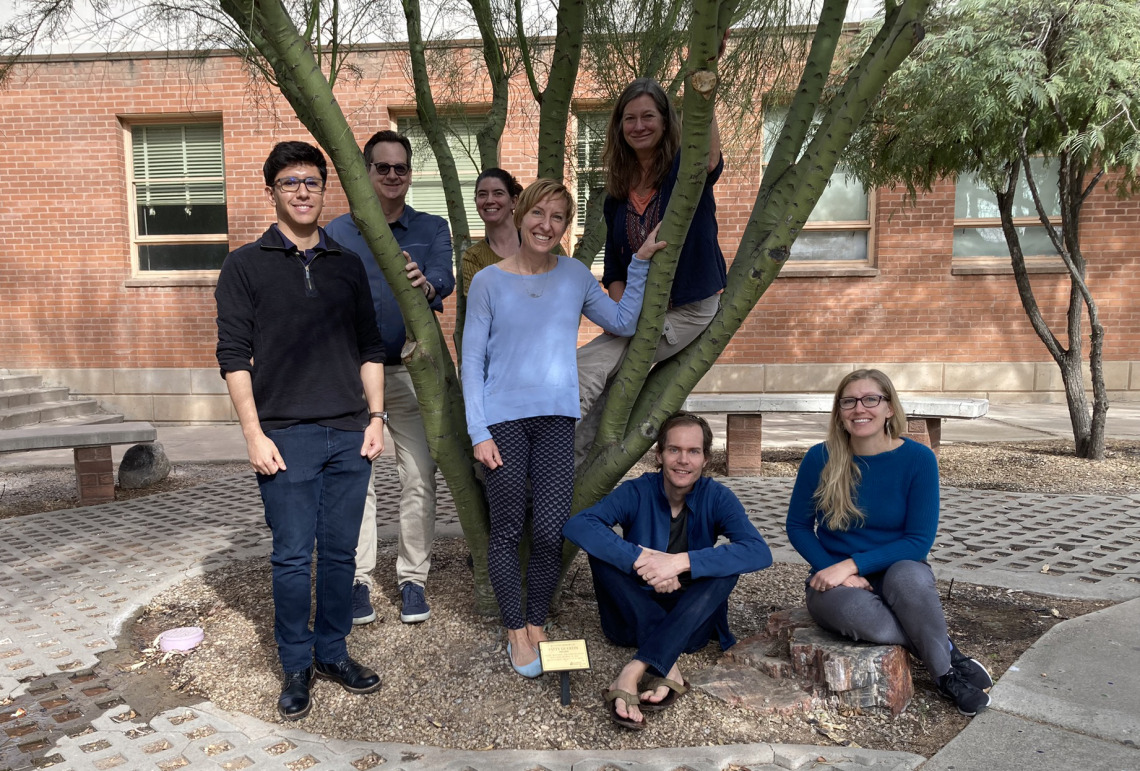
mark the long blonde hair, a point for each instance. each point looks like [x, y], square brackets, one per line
[835, 495]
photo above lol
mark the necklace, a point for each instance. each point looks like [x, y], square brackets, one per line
[545, 280]
[638, 226]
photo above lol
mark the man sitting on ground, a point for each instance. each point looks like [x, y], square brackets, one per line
[663, 585]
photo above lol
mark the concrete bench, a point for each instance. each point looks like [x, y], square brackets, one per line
[746, 413]
[94, 471]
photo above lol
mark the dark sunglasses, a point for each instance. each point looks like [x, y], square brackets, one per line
[401, 169]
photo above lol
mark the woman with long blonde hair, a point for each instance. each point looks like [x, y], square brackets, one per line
[864, 514]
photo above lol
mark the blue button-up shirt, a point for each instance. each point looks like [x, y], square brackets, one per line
[423, 236]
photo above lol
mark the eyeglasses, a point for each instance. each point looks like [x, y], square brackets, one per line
[869, 401]
[382, 169]
[293, 184]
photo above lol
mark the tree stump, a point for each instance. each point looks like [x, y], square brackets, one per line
[857, 674]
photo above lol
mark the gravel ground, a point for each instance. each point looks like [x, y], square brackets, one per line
[447, 681]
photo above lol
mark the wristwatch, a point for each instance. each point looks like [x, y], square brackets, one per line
[382, 415]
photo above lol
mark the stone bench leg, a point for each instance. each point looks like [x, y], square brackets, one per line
[94, 475]
[743, 445]
[927, 431]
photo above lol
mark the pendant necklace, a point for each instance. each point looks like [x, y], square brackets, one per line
[531, 292]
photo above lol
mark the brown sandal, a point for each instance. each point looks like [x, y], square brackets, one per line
[630, 700]
[652, 684]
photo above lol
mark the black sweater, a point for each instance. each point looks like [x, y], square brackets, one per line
[301, 333]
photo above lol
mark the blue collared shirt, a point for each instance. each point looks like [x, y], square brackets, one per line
[423, 236]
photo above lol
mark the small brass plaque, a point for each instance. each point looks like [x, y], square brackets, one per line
[563, 655]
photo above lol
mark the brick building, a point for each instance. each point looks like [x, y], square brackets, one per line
[137, 173]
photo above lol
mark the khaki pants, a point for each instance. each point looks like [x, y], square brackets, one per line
[416, 469]
[599, 360]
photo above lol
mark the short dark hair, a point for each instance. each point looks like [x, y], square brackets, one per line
[513, 186]
[286, 154]
[387, 135]
[683, 418]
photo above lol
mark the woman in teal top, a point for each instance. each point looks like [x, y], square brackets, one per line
[520, 388]
[864, 513]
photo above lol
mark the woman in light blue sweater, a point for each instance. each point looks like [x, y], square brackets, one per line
[864, 513]
[520, 386]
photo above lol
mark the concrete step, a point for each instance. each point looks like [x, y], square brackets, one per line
[20, 382]
[24, 396]
[98, 418]
[29, 414]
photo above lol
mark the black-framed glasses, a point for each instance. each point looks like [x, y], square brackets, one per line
[293, 184]
[869, 401]
[382, 169]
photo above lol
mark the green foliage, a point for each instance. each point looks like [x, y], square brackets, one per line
[997, 84]
[1063, 76]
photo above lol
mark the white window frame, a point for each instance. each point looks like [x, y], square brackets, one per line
[837, 267]
[139, 276]
[999, 263]
[594, 114]
[425, 171]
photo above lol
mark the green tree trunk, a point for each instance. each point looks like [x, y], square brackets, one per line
[273, 33]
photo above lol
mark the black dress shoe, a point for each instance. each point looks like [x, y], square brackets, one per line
[353, 677]
[294, 702]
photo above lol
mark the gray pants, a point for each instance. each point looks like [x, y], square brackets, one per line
[599, 360]
[903, 609]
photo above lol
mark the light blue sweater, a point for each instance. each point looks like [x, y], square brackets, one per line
[519, 350]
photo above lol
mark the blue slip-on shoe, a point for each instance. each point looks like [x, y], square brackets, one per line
[531, 670]
[362, 611]
[413, 607]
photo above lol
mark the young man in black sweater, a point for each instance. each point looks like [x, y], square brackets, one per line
[298, 345]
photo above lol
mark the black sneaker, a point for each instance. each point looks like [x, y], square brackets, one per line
[970, 700]
[362, 612]
[971, 669]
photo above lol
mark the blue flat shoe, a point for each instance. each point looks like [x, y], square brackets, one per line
[531, 670]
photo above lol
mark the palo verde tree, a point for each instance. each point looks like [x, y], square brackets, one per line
[292, 44]
[1040, 101]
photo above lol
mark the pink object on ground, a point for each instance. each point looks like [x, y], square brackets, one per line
[184, 638]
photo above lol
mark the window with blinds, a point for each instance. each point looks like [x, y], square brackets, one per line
[839, 227]
[426, 193]
[179, 186]
[591, 173]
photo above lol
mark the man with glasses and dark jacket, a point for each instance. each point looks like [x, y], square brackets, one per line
[302, 358]
[426, 243]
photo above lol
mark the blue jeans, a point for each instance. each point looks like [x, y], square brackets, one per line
[661, 626]
[318, 497]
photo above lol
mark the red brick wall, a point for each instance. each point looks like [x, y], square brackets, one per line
[67, 303]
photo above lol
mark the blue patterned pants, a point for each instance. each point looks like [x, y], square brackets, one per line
[541, 450]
